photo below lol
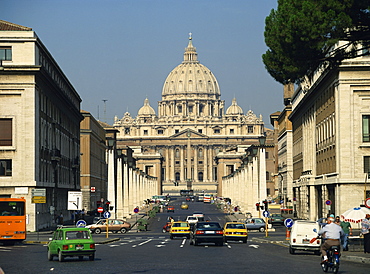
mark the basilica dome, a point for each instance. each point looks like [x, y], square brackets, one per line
[234, 109]
[146, 109]
[190, 77]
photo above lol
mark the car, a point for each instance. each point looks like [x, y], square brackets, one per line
[276, 218]
[192, 220]
[256, 224]
[170, 209]
[200, 215]
[184, 205]
[207, 232]
[114, 225]
[180, 229]
[301, 234]
[69, 242]
[235, 231]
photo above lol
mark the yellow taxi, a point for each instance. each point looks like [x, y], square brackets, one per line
[180, 229]
[235, 231]
[184, 205]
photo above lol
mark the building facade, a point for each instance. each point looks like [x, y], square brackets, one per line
[39, 126]
[181, 142]
[331, 145]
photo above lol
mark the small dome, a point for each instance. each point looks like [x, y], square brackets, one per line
[146, 109]
[234, 109]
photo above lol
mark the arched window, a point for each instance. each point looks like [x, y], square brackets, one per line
[200, 153]
[200, 176]
[177, 153]
[177, 176]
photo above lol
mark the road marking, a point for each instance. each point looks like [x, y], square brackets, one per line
[254, 246]
[113, 245]
[159, 246]
[228, 246]
[183, 242]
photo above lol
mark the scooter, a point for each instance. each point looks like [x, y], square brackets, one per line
[333, 261]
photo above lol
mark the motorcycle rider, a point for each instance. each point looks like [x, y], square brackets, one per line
[333, 234]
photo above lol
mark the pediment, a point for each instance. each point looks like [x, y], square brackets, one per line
[186, 133]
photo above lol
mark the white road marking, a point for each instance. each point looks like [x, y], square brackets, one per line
[254, 246]
[229, 246]
[143, 243]
[182, 243]
[113, 245]
[159, 246]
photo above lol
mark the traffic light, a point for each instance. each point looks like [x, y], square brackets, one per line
[107, 204]
[266, 203]
[258, 206]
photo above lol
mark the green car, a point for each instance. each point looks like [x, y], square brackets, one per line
[69, 242]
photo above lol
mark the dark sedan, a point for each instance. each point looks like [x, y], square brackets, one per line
[207, 232]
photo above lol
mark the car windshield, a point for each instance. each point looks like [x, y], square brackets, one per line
[71, 235]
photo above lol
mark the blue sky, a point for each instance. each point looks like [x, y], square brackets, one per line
[122, 50]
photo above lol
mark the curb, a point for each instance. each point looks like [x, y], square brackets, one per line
[96, 242]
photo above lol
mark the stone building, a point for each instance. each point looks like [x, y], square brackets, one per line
[330, 136]
[39, 126]
[180, 142]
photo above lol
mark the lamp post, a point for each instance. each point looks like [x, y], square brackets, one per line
[55, 159]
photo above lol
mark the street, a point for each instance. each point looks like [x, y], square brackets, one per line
[154, 252]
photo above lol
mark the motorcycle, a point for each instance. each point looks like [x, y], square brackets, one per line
[333, 261]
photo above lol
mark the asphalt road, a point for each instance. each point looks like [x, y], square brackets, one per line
[154, 252]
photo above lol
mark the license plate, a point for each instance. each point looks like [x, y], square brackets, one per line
[210, 232]
[305, 241]
[79, 247]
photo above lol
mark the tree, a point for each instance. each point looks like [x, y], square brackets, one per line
[300, 36]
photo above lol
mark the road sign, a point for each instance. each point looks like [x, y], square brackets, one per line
[106, 215]
[38, 199]
[136, 210]
[288, 223]
[74, 200]
[92, 189]
[266, 214]
[100, 209]
[81, 223]
[367, 203]
[328, 202]
[38, 196]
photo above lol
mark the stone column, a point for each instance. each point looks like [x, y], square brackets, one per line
[205, 163]
[167, 164]
[182, 161]
[210, 166]
[119, 210]
[262, 173]
[125, 190]
[172, 168]
[111, 179]
[195, 163]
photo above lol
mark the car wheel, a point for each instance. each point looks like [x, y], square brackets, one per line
[92, 257]
[80, 258]
[225, 240]
[123, 230]
[220, 243]
[262, 229]
[291, 250]
[50, 256]
[196, 242]
[60, 256]
[245, 240]
[97, 231]
[164, 231]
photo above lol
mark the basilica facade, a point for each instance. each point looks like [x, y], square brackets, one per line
[192, 141]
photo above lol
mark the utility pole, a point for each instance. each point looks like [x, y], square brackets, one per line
[105, 110]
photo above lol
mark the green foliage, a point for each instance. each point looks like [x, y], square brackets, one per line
[300, 35]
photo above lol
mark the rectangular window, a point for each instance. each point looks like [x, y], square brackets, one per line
[6, 53]
[200, 130]
[6, 132]
[250, 129]
[160, 131]
[216, 131]
[145, 132]
[231, 131]
[366, 128]
[176, 131]
[5, 167]
[366, 164]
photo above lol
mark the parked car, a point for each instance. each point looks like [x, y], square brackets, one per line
[301, 235]
[207, 232]
[170, 209]
[256, 224]
[114, 225]
[276, 218]
[180, 229]
[69, 242]
[235, 231]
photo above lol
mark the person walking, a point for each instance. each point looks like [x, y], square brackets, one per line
[347, 229]
[365, 230]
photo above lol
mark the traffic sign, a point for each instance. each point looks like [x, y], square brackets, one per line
[136, 210]
[266, 214]
[328, 202]
[367, 203]
[81, 223]
[106, 215]
[100, 209]
[288, 223]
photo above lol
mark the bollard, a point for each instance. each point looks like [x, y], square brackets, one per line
[287, 234]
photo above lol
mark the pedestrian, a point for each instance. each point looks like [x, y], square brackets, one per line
[61, 220]
[347, 229]
[365, 230]
[337, 220]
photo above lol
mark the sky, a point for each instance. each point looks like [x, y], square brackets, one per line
[116, 53]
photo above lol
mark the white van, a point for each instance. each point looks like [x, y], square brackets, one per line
[301, 234]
